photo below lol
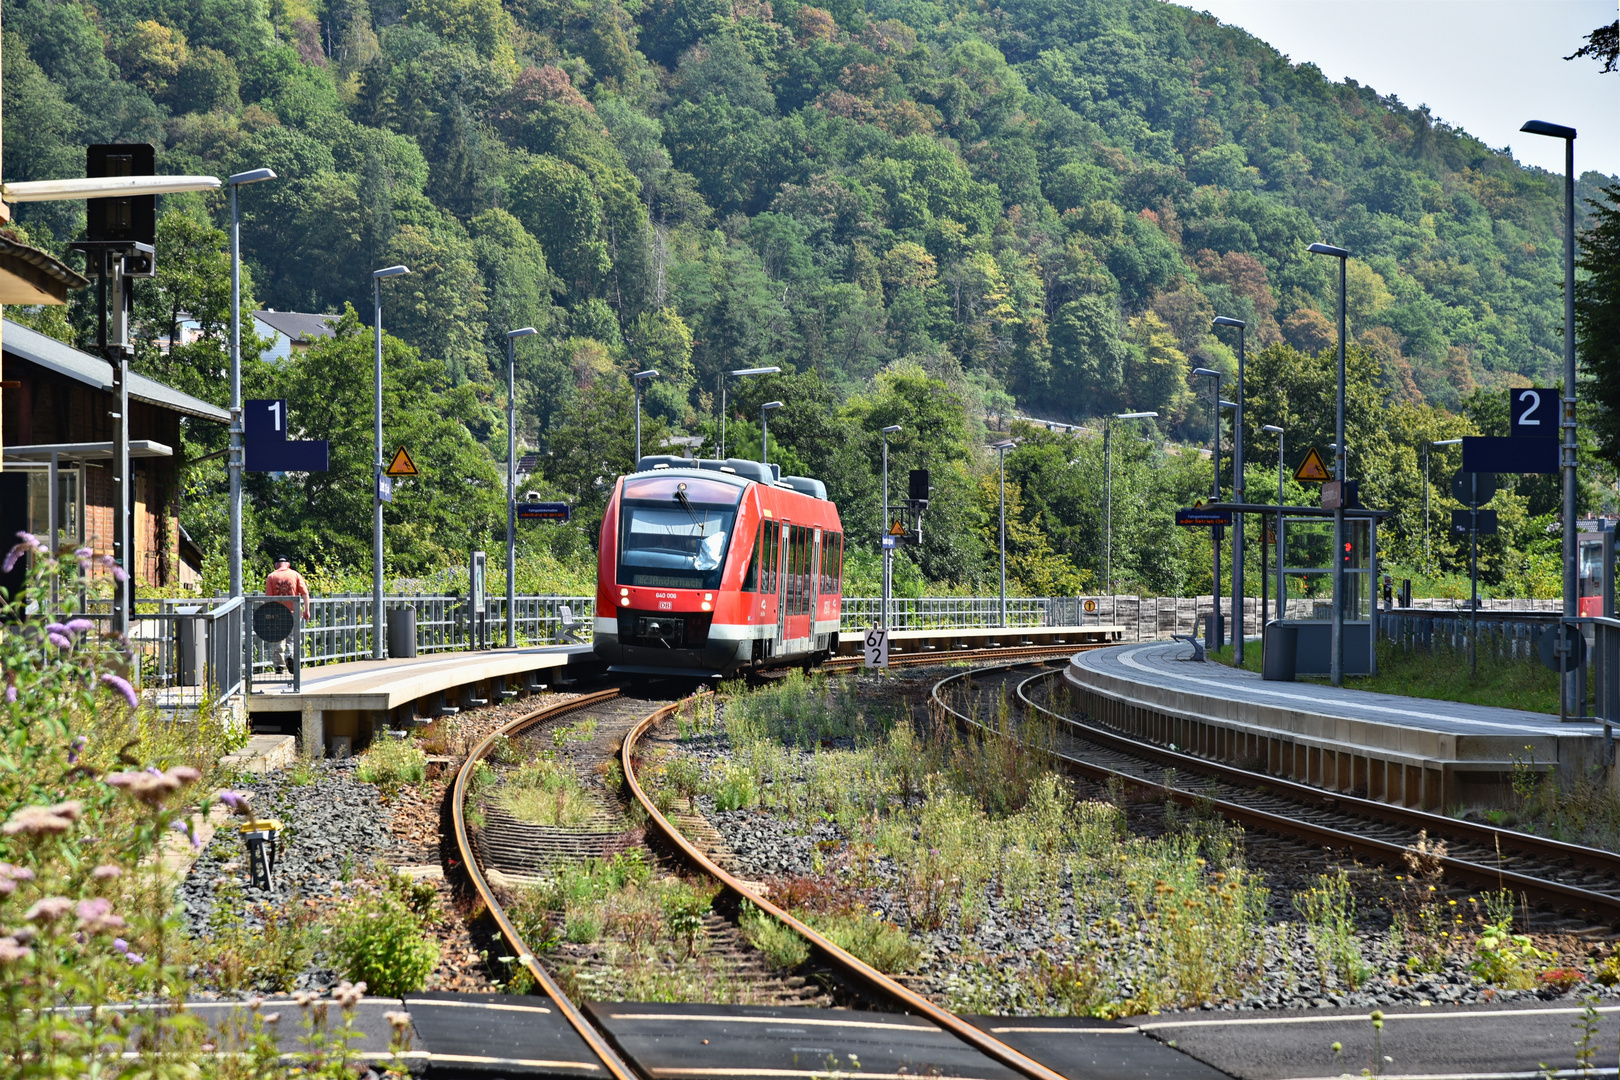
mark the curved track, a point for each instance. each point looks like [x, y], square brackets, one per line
[873, 984]
[1554, 874]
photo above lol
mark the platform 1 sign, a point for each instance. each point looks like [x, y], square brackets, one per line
[1203, 516]
[544, 511]
[265, 446]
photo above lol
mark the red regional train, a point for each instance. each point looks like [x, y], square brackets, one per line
[709, 568]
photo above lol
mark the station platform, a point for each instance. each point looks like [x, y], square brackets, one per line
[354, 699]
[1418, 752]
[947, 639]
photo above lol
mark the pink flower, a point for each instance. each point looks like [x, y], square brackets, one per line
[73, 809]
[185, 774]
[15, 873]
[7, 886]
[11, 951]
[123, 687]
[11, 694]
[106, 872]
[36, 821]
[151, 788]
[83, 553]
[49, 909]
[96, 916]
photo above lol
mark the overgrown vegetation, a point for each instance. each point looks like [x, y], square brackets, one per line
[392, 763]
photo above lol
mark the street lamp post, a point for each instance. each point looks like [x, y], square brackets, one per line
[1001, 449]
[511, 484]
[233, 457]
[1558, 131]
[1237, 497]
[1108, 490]
[1336, 659]
[1213, 635]
[1282, 590]
[378, 629]
[1437, 442]
[888, 552]
[635, 384]
[765, 430]
[720, 455]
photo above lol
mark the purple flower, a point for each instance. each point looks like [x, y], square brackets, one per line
[80, 626]
[12, 556]
[123, 687]
[74, 747]
[7, 886]
[231, 799]
[60, 642]
[120, 944]
[119, 575]
[11, 695]
[96, 916]
[135, 958]
[83, 553]
[55, 628]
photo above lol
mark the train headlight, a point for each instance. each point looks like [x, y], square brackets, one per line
[708, 596]
[707, 606]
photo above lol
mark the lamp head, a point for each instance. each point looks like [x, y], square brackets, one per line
[650, 373]
[755, 371]
[892, 429]
[525, 332]
[1272, 429]
[1328, 249]
[252, 176]
[1222, 320]
[390, 271]
[1004, 445]
[769, 405]
[1228, 404]
[1541, 127]
[1135, 415]
[1208, 372]
[1446, 442]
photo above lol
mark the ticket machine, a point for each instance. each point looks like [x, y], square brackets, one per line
[1594, 567]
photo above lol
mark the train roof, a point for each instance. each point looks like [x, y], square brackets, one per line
[737, 471]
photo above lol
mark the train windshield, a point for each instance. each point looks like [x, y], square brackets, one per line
[673, 531]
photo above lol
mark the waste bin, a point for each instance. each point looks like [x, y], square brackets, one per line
[402, 632]
[1282, 645]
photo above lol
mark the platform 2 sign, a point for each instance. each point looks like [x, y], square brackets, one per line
[544, 511]
[1203, 516]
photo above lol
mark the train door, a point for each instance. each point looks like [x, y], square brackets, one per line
[813, 575]
[784, 574]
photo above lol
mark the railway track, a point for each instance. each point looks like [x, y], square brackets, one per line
[1559, 876]
[628, 723]
[964, 656]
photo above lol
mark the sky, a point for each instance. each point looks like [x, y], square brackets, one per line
[1485, 66]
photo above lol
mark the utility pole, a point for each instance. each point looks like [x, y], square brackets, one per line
[1237, 497]
[379, 624]
[511, 483]
[1336, 659]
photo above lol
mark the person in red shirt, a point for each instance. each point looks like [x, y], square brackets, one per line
[285, 581]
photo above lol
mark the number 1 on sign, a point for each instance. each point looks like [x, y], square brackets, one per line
[877, 647]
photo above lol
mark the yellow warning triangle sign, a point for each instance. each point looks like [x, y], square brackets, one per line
[402, 465]
[897, 529]
[1312, 470]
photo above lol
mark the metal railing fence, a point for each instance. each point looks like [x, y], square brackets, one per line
[183, 654]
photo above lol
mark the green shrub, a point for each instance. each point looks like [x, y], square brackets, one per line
[547, 792]
[876, 941]
[382, 942]
[735, 788]
[393, 763]
[782, 946]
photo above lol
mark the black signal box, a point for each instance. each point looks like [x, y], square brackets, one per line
[124, 218]
[919, 486]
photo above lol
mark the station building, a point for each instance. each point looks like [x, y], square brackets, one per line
[59, 400]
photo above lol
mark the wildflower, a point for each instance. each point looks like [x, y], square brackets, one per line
[271, 1018]
[11, 694]
[17, 552]
[122, 686]
[83, 553]
[120, 944]
[348, 995]
[7, 886]
[80, 626]
[231, 799]
[149, 787]
[135, 958]
[96, 915]
[185, 774]
[11, 951]
[55, 628]
[49, 909]
[399, 1021]
[60, 642]
[36, 821]
[71, 809]
[255, 1003]
[303, 998]
[75, 747]
[15, 873]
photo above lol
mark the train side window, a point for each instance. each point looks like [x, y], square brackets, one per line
[770, 556]
[801, 567]
[838, 564]
[751, 573]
